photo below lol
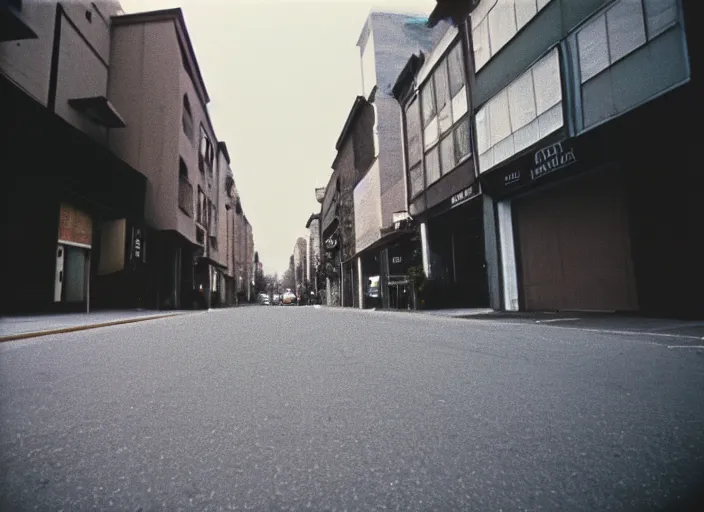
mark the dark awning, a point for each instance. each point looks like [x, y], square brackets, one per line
[12, 26]
[98, 109]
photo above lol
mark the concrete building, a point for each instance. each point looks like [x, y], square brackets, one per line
[443, 192]
[314, 261]
[248, 262]
[65, 233]
[567, 95]
[369, 162]
[300, 264]
[164, 100]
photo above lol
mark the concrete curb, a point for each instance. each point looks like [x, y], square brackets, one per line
[74, 328]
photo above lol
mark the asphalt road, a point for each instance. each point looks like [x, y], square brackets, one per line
[273, 408]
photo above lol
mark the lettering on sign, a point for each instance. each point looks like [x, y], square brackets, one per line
[551, 159]
[461, 196]
[512, 177]
[137, 243]
[396, 259]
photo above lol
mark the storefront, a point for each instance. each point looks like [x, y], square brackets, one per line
[56, 200]
[594, 223]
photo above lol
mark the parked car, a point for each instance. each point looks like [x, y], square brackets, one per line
[289, 298]
[264, 299]
[276, 299]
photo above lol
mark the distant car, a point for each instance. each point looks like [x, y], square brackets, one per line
[264, 299]
[276, 299]
[289, 299]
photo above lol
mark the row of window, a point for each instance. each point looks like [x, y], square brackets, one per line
[206, 151]
[520, 115]
[531, 107]
[620, 30]
[437, 124]
[496, 22]
[206, 212]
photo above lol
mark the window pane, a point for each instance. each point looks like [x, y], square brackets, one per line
[546, 80]
[526, 136]
[413, 132]
[480, 38]
[459, 105]
[431, 133]
[432, 166]
[486, 161]
[499, 123]
[593, 50]
[447, 153]
[442, 86]
[550, 121]
[483, 134]
[428, 102]
[659, 15]
[626, 28]
[502, 24]
[456, 64]
[415, 180]
[445, 119]
[521, 100]
[462, 141]
[525, 10]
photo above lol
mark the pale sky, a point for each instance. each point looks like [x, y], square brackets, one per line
[282, 76]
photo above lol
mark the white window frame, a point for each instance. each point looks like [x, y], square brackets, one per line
[488, 11]
[603, 17]
[543, 122]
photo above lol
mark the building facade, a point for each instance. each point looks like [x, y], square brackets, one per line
[130, 188]
[67, 231]
[164, 99]
[443, 193]
[566, 95]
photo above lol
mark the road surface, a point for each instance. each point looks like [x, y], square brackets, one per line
[274, 408]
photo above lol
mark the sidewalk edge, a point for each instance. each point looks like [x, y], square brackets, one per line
[61, 330]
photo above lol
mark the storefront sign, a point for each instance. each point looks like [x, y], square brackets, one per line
[331, 243]
[551, 159]
[75, 226]
[528, 169]
[462, 196]
[137, 244]
[396, 260]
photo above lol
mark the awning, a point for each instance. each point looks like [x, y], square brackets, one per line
[98, 109]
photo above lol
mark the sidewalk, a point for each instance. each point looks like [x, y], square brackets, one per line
[606, 322]
[28, 326]
[617, 323]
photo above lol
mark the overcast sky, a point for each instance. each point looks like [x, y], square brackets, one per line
[282, 76]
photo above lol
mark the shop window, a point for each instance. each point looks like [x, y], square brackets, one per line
[496, 22]
[529, 109]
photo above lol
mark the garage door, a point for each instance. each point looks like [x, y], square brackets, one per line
[574, 248]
